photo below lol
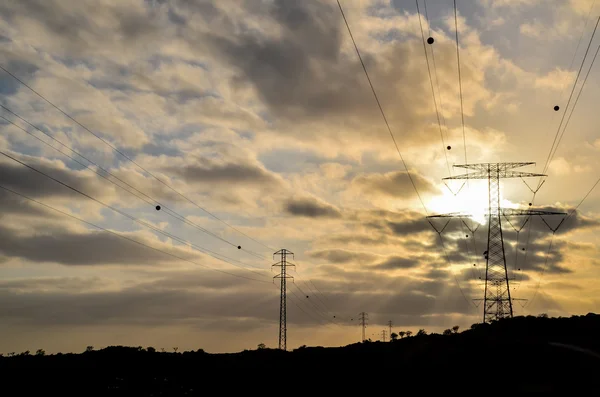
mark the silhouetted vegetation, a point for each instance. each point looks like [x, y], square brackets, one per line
[529, 353]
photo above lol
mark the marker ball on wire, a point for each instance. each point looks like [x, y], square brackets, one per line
[239, 247]
[466, 235]
[530, 204]
[430, 40]
[448, 147]
[158, 207]
[556, 108]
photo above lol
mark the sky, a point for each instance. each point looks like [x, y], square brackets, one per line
[252, 124]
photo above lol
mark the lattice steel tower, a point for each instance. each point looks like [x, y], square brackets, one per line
[364, 318]
[497, 302]
[283, 276]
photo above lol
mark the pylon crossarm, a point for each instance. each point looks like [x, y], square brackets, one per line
[451, 215]
[485, 166]
[501, 174]
[515, 212]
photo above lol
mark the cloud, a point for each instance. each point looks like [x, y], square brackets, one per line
[31, 183]
[394, 184]
[81, 249]
[343, 256]
[397, 262]
[207, 171]
[556, 79]
[311, 208]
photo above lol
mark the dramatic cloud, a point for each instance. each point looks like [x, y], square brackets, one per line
[27, 181]
[394, 184]
[82, 249]
[397, 262]
[311, 208]
[343, 256]
[210, 172]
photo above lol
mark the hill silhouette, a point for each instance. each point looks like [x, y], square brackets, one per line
[522, 354]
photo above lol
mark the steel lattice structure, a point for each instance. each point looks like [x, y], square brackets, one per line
[283, 276]
[497, 299]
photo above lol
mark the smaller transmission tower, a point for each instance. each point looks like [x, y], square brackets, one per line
[363, 317]
[390, 325]
[283, 276]
[383, 335]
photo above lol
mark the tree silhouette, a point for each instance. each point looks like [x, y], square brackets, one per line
[261, 346]
[89, 349]
[175, 349]
[40, 352]
[421, 332]
[408, 334]
[150, 349]
[455, 329]
[393, 336]
[401, 333]
[162, 349]
[447, 332]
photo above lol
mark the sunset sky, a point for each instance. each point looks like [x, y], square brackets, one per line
[259, 112]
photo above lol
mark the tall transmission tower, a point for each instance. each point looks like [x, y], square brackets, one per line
[383, 335]
[364, 318]
[283, 276]
[390, 325]
[497, 302]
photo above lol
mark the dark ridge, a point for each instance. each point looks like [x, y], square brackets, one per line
[523, 354]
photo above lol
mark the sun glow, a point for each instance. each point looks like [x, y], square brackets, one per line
[471, 199]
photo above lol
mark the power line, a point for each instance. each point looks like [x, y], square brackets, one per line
[144, 244]
[150, 226]
[462, 113]
[154, 201]
[552, 148]
[380, 107]
[437, 81]
[437, 113]
[543, 271]
[576, 100]
[129, 238]
[131, 160]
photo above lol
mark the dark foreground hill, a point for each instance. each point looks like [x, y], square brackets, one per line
[523, 354]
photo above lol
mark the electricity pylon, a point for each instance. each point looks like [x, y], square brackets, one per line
[497, 300]
[390, 325]
[364, 317]
[383, 335]
[283, 276]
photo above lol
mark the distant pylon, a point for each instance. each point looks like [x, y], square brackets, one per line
[364, 317]
[390, 325]
[383, 335]
[283, 264]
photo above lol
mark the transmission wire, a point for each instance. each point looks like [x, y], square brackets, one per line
[380, 107]
[129, 238]
[131, 160]
[437, 113]
[150, 226]
[167, 209]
